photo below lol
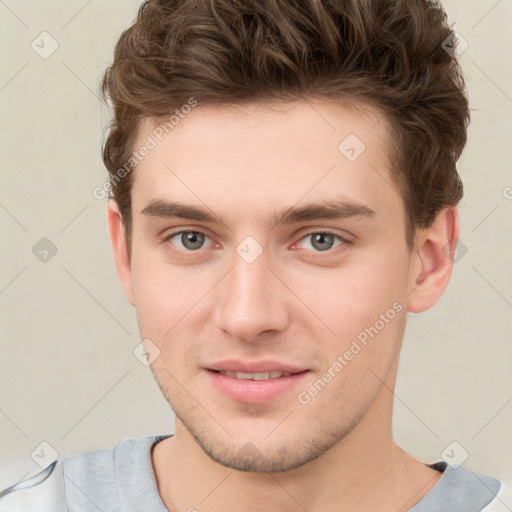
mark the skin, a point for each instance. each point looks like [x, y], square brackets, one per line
[294, 303]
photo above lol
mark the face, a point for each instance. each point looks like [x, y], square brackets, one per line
[270, 270]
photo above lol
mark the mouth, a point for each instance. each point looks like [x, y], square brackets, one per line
[255, 383]
[276, 374]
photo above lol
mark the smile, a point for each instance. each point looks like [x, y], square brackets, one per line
[256, 387]
[255, 376]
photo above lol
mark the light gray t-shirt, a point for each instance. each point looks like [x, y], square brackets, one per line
[121, 479]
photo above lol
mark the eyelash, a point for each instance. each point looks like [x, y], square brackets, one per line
[329, 252]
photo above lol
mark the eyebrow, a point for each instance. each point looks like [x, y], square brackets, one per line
[335, 209]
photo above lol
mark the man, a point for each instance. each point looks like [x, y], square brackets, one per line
[284, 192]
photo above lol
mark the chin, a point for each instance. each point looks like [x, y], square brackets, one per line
[261, 454]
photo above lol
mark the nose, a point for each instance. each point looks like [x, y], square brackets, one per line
[251, 300]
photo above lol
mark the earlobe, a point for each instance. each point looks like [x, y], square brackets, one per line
[119, 248]
[432, 260]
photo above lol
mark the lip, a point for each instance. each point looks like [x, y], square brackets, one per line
[237, 365]
[254, 391]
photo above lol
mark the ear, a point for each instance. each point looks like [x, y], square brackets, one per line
[119, 248]
[431, 261]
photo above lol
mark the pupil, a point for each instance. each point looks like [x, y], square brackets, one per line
[322, 239]
[192, 240]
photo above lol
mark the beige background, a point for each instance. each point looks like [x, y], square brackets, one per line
[68, 374]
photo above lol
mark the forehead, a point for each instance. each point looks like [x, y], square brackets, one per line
[249, 157]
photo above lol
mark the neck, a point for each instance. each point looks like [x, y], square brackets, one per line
[364, 471]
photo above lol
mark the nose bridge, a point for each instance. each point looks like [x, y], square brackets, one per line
[249, 278]
[248, 301]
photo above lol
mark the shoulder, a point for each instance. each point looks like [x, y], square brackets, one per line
[82, 482]
[459, 489]
[40, 493]
[104, 478]
[503, 500]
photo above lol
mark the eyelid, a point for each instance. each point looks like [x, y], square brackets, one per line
[325, 231]
[345, 241]
[179, 231]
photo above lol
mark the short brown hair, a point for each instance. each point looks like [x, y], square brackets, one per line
[386, 53]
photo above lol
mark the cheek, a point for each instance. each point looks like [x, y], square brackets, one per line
[375, 317]
[363, 306]
[165, 294]
[336, 304]
[152, 297]
[352, 297]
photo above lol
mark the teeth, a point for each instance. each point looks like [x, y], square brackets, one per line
[255, 376]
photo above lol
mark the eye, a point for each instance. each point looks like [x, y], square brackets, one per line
[190, 240]
[319, 241]
[322, 241]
